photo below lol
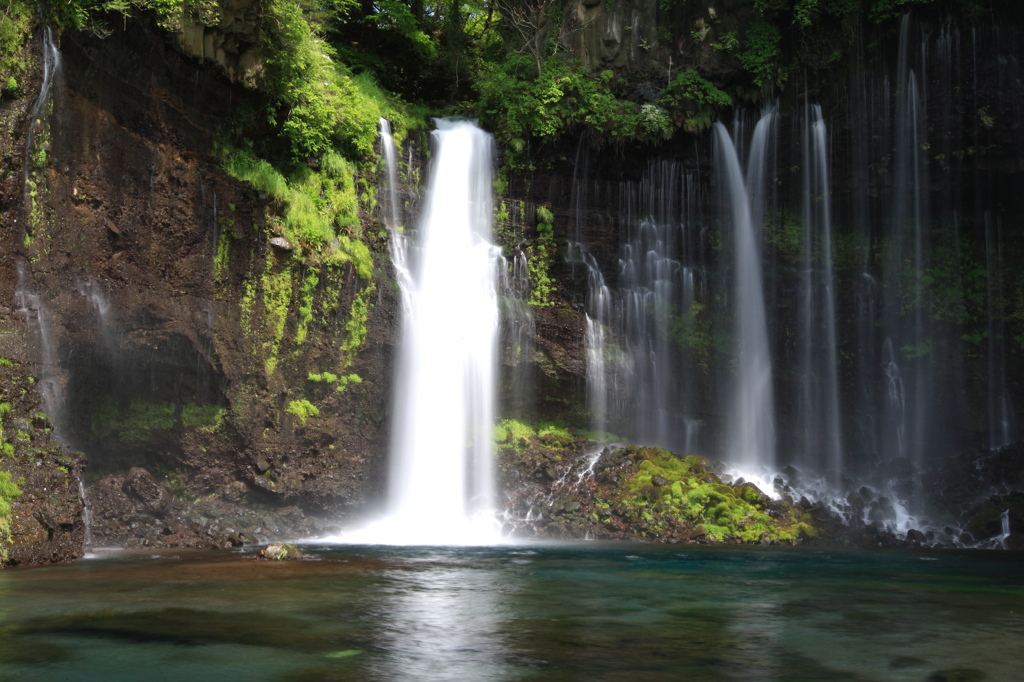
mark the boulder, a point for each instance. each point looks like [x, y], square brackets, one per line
[145, 491]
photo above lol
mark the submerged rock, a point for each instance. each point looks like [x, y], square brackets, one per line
[958, 675]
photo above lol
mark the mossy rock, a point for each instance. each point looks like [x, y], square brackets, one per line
[751, 494]
[662, 486]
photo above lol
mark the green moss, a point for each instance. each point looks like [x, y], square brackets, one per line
[315, 211]
[303, 409]
[9, 491]
[143, 419]
[540, 257]
[136, 423]
[500, 434]
[245, 304]
[202, 417]
[344, 381]
[15, 31]
[223, 256]
[277, 293]
[786, 236]
[355, 326]
[555, 435]
[517, 434]
[305, 312]
[599, 436]
[688, 492]
[693, 331]
[103, 417]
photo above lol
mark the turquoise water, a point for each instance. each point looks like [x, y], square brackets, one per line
[579, 612]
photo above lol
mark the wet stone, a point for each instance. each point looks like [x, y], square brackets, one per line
[916, 537]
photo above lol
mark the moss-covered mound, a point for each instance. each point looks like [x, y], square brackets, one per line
[664, 497]
[633, 493]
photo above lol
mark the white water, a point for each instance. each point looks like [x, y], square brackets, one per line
[518, 328]
[819, 395]
[752, 439]
[441, 486]
[392, 217]
[31, 306]
[51, 65]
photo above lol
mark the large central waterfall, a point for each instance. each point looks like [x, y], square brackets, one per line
[441, 481]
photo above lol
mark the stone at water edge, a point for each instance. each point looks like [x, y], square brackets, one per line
[280, 552]
[916, 538]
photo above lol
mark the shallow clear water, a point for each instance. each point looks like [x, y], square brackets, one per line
[579, 612]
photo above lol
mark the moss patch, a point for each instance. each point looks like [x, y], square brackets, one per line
[661, 492]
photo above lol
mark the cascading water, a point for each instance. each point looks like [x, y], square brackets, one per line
[819, 387]
[904, 268]
[599, 306]
[441, 487]
[518, 329]
[636, 384]
[1001, 426]
[31, 306]
[51, 66]
[392, 217]
[752, 438]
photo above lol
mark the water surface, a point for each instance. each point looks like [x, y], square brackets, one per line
[537, 612]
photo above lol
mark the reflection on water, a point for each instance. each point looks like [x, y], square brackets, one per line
[445, 621]
[580, 612]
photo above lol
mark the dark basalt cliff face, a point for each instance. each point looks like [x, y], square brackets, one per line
[171, 342]
[156, 351]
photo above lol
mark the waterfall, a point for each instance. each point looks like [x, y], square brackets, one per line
[32, 307]
[819, 386]
[86, 516]
[441, 487]
[518, 329]
[640, 331]
[599, 305]
[392, 217]
[51, 65]
[751, 440]
[907, 333]
[108, 340]
[1000, 408]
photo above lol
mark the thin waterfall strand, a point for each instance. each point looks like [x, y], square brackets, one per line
[752, 439]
